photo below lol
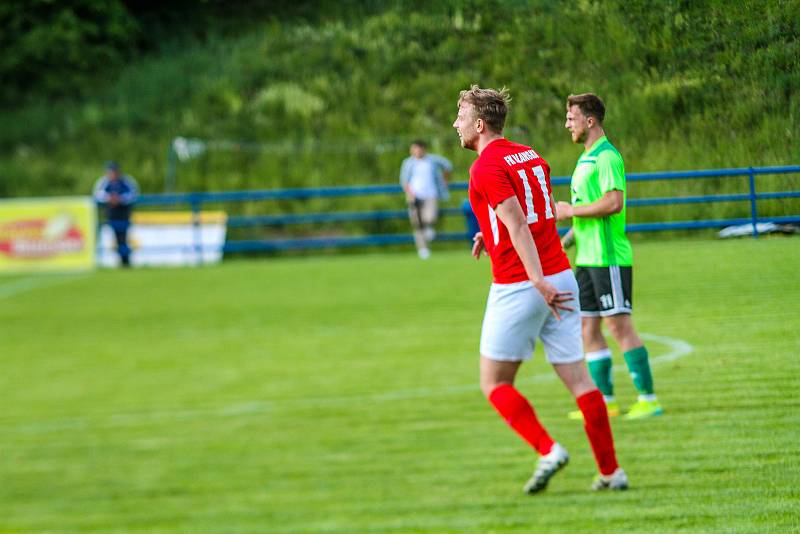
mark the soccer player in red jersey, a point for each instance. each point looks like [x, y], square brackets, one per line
[534, 290]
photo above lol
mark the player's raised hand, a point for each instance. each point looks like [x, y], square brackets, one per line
[477, 246]
[554, 298]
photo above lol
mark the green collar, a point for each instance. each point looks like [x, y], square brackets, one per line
[602, 139]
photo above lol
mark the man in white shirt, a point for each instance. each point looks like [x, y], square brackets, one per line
[424, 180]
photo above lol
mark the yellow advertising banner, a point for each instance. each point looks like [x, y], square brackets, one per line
[47, 234]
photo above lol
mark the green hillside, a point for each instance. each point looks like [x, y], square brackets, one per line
[331, 94]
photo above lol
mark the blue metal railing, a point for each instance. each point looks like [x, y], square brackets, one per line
[197, 200]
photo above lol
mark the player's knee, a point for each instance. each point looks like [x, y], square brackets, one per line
[591, 332]
[579, 384]
[575, 377]
[488, 385]
[582, 387]
[619, 328]
[587, 331]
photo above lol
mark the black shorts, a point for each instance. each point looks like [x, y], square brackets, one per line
[605, 291]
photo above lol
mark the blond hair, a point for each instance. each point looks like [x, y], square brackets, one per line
[490, 105]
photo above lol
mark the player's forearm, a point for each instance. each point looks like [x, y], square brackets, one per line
[611, 203]
[526, 249]
[595, 209]
[128, 198]
[569, 239]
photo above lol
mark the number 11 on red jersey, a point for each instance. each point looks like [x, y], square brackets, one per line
[532, 216]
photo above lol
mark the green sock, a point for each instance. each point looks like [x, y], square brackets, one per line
[599, 363]
[639, 367]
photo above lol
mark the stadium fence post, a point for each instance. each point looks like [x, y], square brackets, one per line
[753, 208]
[197, 234]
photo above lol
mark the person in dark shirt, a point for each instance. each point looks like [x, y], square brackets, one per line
[117, 192]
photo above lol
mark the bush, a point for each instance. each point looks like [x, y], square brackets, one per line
[332, 97]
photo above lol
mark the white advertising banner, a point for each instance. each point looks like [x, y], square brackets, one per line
[168, 239]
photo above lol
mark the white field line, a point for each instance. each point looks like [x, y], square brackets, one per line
[29, 283]
[677, 349]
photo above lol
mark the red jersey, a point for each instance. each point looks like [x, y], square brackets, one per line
[504, 170]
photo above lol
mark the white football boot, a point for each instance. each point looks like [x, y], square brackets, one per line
[548, 465]
[617, 480]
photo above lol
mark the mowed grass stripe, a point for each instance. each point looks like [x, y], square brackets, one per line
[263, 396]
[670, 350]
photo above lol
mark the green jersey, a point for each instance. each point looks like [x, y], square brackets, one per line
[600, 241]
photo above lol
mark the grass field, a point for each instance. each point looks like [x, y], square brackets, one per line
[339, 394]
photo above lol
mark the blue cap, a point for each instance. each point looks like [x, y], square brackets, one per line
[112, 166]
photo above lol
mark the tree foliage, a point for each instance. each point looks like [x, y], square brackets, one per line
[333, 93]
[56, 49]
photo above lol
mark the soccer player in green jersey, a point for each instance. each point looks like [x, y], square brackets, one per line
[604, 259]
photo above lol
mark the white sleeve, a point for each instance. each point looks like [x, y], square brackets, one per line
[99, 193]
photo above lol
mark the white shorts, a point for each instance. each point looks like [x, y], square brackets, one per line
[516, 314]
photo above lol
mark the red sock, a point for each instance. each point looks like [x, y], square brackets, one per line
[519, 414]
[598, 429]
